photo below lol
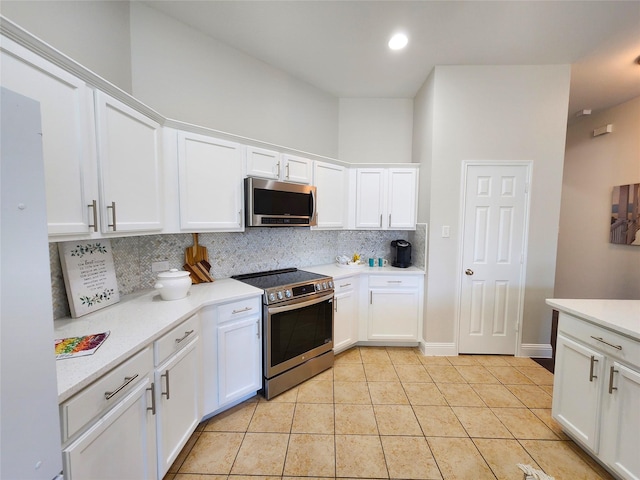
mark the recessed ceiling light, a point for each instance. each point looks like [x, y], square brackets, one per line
[398, 41]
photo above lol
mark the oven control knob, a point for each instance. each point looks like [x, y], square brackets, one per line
[318, 287]
[324, 285]
[280, 296]
[330, 284]
[272, 297]
[287, 293]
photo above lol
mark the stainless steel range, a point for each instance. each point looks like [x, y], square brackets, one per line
[297, 324]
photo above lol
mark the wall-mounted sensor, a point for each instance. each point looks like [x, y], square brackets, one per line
[583, 113]
[603, 130]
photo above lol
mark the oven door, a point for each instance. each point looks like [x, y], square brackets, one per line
[297, 332]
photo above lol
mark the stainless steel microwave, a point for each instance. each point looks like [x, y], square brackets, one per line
[269, 203]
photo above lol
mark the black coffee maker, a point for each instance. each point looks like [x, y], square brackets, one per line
[401, 252]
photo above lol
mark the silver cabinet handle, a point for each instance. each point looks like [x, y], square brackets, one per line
[245, 309]
[258, 328]
[278, 171]
[380, 220]
[94, 210]
[335, 304]
[113, 215]
[287, 171]
[370, 298]
[468, 271]
[166, 376]
[600, 339]
[152, 388]
[389, 220]
[345, 285]
[394, 281]
[591, 375]
[127, 381]
[611, 372]
[186, 334]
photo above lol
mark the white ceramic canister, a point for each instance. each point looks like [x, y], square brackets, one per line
[173, 285]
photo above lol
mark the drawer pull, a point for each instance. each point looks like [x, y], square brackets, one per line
[600, 339]
[611, 372]
[591, 375]
[245, 309]
[127, 381]
[152, 388]
[186, 334]
[394, 281]
[166, 376]
[345, 285]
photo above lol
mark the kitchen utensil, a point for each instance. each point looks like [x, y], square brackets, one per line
[195, 253]
[173, 285]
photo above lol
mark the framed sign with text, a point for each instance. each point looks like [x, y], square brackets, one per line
[89, 275]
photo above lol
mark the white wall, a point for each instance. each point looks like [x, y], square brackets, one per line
[494, 113]
[94, 34]
[375, 130]
[191, 77]
[588, 265]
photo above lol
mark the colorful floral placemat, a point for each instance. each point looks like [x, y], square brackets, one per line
[79, 346]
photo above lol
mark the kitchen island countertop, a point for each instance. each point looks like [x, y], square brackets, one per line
[622, 316]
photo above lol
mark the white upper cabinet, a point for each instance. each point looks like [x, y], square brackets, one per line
[130, 161]
[273, 165]
[210, 177]
[331, 183]
[67, 137]
[386, 198]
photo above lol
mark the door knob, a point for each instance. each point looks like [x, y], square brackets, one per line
[468, 271]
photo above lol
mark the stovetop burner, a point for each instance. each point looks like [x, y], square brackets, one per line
[287, 283]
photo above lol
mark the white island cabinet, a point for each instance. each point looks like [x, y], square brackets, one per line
[596, 392]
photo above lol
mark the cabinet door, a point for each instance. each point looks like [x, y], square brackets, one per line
[263, 163]
[178, 403]
[67, 136]
[345, 319]
[210, 172]
[393, 314]
[576, 390]
[239, 359]
[402, 198]
[121, 444]
[621, 421]
[370, 198]
[331, 183]
[296, 169]
[129, 157]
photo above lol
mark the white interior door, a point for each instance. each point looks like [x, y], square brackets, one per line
[495, 219]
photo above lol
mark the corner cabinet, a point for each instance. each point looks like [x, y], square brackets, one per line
[331, 183]
[386, 198]
[596, 392]
[395, 307]
[68, 134]
[130, 163]
[210, 175]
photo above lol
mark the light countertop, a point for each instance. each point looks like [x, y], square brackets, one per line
[336, 271]
[622, 316]
[135, 322]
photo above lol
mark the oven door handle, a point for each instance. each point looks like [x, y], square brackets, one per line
[294, 306]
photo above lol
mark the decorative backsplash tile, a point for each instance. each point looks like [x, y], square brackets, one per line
[254, 250]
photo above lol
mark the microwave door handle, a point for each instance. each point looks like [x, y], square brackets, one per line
[313, 211]
[294, 306]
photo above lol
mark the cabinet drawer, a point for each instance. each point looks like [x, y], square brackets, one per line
[345, 284]
[92, 401]
[176, 339]
[605, 340]
[394, 280]
[239, 309]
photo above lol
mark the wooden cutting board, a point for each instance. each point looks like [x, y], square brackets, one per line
[195, 253]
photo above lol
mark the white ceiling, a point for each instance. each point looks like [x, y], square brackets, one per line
[341, 46]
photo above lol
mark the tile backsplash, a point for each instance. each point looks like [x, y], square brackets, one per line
[254, 250]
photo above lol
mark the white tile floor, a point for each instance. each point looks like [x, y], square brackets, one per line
[393, 413]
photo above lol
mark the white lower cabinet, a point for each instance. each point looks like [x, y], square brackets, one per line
[178, 391]
[596, 393]
[109, 429]
[395, 306]
[239, 342]
[345, 310]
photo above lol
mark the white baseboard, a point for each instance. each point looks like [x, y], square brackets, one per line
[536, 350]
[438, 349]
